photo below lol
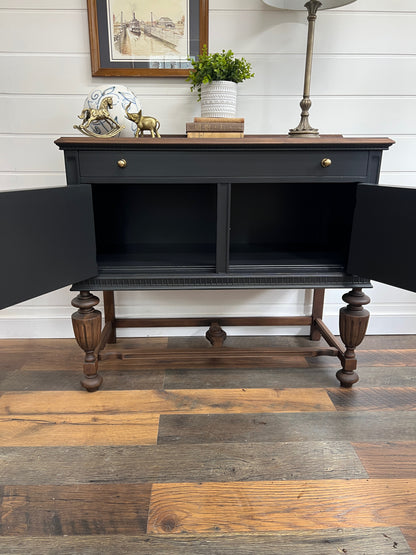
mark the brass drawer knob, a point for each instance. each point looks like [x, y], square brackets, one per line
[122, 163]
[326, 162]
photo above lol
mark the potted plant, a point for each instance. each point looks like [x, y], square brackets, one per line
[215, 77]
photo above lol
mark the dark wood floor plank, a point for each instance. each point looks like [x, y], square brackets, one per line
[371, 541]
[74, 510]
[179, 463]
[250, 377]
[375, 398]
[10, 361]
[69, 380]
[386, 357]
[386, 376]
[389, 342]
[378, 357]
[129, 376]
[271, 506]
[29, 346]
[388, 460]
[350, 426]
[320, 375]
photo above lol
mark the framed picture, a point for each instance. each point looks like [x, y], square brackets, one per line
[149, 38]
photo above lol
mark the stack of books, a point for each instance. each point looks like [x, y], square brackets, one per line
[219, 128]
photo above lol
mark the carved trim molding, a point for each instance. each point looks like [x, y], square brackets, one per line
[221, 282]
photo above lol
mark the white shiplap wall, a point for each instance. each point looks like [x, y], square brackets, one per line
[363, 84]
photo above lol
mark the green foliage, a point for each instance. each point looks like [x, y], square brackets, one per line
[220, 66]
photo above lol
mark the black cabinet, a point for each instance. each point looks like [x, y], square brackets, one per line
[262, 211]
[258, 212]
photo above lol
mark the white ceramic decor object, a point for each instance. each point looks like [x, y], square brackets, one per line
[122, 98]
[219, 99]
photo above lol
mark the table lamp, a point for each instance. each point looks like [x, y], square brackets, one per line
[304, 129]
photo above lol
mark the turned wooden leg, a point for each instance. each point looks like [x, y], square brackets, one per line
[87, 329]
[216, 335]
[353, 321]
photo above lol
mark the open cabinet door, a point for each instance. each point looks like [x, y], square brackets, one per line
[47, 241]
[383, 235]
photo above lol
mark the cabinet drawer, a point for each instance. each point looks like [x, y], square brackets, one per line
[235, 165]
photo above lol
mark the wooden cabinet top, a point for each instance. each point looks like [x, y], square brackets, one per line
[283, 142]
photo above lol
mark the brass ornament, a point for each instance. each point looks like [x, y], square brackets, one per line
[91, 115]
[144, 123]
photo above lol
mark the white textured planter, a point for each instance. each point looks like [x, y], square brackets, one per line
[219, 99]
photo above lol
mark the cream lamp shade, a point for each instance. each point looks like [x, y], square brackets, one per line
[312, 6]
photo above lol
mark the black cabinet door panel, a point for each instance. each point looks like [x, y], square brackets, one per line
[47, 241]
[384, 234]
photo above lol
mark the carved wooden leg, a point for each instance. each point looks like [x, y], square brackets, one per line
[87, 329]
[353, 321]
[216, 335]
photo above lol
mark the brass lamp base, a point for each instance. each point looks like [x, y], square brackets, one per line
[303, 133]
[304, 129]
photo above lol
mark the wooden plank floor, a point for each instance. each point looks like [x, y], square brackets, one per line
[174, 457]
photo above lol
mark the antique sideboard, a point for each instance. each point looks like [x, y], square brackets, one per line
[269, 211]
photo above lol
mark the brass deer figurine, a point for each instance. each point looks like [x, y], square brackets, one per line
[144, 123]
